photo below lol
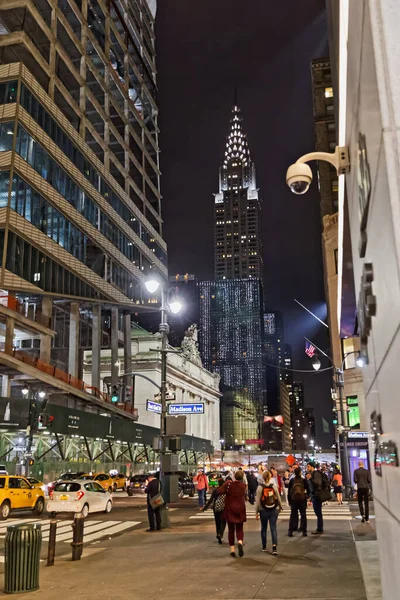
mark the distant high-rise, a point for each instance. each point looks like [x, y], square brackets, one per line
[237, 210]
[230, 332]
[273, 352]
[325, 132]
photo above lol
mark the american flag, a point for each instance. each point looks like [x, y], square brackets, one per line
[310, 349]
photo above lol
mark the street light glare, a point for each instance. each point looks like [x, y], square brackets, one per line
[175, 307]
[316, 363]
[25, 390]
[360, 361]
[152, 285]
[41, 394]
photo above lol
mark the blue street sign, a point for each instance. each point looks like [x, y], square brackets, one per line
[153, 407]
[186, 409]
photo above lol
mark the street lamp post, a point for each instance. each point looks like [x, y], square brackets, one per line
[152, 286]
[32, 422]
[339, 382]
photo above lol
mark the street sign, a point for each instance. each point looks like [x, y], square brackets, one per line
[186, 409]
[154, 407]
[254, 441]
[170, 396]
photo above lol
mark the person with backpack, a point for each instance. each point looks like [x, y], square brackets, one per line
[218, 505]
[297, 497]
[320, 489]
[268, 506]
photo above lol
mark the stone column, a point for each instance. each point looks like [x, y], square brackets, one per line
[45, 340]
[73, 354]
[114, 347]
[9, 342]
[128, 381]
[96, 345]
[5, 386]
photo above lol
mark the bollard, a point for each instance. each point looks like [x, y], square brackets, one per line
[77, 539]
[22, 548]
[51, 551]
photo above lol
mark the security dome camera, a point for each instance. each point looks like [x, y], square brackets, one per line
[299, 178]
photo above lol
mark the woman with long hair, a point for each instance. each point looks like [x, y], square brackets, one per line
[235, 510]
[337, 481]
[268, 506]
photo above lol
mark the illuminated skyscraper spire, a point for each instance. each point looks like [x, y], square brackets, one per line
[237, 146]
[237, 213]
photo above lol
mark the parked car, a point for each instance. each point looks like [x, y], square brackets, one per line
[119, 481]
[79, 496]
[16, 493]
[136, 483]
[64, 477]
[185, 484]
[36, 483]
[106, 481]
[3, 470]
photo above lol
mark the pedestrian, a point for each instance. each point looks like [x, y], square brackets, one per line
[337, 481]
[277, 479]
[297, 495]
[268, 506]
[202, 487]
[152, 489]
[363, 480]
[252, 485]
[217, 502]
[286, 481]
[315, 482]
[235, 510]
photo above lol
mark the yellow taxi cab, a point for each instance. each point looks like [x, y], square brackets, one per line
[106, 481]
[16, 493]
[119, 482]
[36, 483]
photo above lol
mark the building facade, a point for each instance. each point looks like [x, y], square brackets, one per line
[325, 123]
[80, 208]
[231, 335]
[187, 380]
[237, 210]
[369, 120]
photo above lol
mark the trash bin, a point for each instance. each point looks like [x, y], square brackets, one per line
[22, 548]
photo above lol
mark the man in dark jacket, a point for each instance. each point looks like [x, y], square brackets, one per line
[297, 498]
[252, 485]
[363, 480]
[315, 483]
[152, 489]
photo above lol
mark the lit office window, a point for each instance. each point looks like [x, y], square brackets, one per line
[328, 92]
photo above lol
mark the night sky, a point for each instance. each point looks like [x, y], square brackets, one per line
[204, 49]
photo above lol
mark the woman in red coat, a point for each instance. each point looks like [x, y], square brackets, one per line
[235, 510]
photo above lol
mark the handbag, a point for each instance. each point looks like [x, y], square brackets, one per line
[157, 501]
[219, 504]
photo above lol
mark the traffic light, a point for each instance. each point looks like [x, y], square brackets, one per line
[115, 393]
[335, 417]
[42, 421]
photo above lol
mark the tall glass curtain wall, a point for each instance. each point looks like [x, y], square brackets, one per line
[30, 103]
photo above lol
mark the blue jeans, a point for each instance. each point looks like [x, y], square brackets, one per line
[202, 497]
[270, 516]
[317, 506]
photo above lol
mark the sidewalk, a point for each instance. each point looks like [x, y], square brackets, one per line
[185, 562]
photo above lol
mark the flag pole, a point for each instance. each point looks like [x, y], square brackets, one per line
[311, 313]
[316, 347]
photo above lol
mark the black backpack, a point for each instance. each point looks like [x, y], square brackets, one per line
[298, 491]
[324, 494]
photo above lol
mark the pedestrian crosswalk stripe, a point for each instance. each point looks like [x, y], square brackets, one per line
[93, 530]
[330, 513]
